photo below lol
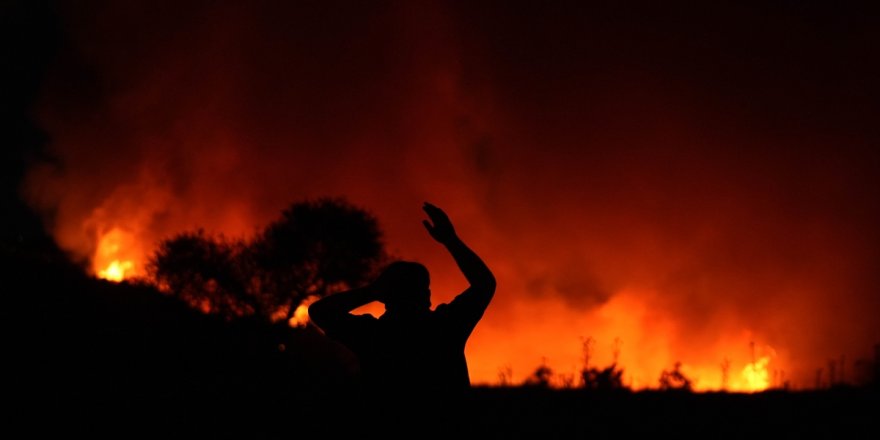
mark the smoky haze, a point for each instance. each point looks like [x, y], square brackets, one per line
[686, 180]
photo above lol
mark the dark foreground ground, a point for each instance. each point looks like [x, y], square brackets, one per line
[484, 412]
[563, 414]
[84, 358]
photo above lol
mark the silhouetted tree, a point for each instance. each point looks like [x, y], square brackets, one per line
[207, 272]
[315, 248]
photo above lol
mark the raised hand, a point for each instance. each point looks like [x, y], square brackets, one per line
[440, 227]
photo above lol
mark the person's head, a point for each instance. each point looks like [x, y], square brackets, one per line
[405, 286]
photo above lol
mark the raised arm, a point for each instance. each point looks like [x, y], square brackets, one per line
[471, 265]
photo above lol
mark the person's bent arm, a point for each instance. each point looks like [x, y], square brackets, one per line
[473, 268]
[330, 311]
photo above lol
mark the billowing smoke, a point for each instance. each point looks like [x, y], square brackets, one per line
[694, 185]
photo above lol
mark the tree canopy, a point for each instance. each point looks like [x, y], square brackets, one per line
[316, 247]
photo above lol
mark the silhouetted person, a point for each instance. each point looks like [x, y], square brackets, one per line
[411, 347]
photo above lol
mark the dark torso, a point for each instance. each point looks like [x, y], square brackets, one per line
[425, 350]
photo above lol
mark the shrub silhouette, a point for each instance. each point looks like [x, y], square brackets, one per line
[674, 380]
[593, 378]
[541, 377]
[608, 378]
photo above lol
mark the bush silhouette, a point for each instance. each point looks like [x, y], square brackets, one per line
[541, 377]
[608, 378]
[675, 380]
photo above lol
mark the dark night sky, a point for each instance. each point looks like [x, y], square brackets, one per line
[687, 178]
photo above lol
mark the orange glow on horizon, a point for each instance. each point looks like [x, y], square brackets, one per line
[639, 340]
[626, 330]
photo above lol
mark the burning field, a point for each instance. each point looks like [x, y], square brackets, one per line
[652, 188]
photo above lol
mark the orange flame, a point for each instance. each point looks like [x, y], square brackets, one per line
[756, 376]
[116, 256]
[641, 340]
[301, 314]
[116, 270]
